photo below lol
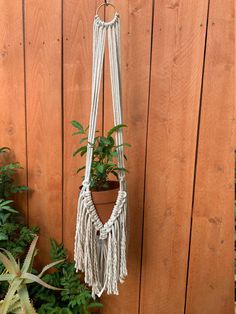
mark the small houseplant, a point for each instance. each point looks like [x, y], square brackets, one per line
[104, 168]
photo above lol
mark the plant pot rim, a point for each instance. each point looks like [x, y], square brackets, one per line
[114, 185]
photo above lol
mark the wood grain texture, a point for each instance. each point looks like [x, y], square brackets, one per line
[136, 22]
[211, 280]
[44, 118]
[78, 27]
[12, 104]
[178, 48]
[58, 56]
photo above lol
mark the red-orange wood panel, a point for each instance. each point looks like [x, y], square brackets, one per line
[177, 60]
[12, 104]
[136, 23]
[44, 117]
[211, 273]
[77, 68]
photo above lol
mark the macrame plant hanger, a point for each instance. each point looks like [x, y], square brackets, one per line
[100, 249]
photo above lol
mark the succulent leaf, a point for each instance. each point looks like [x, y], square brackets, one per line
[30, 255]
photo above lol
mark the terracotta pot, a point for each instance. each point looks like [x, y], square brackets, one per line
[104, 201]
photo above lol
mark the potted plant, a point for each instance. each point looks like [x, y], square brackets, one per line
[104, 183]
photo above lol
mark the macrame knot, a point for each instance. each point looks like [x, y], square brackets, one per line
[85, 183]
[102, 234]
[107, 24]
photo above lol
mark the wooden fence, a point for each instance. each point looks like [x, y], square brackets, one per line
[177, 71]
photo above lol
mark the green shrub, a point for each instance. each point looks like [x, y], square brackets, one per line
[75, 296]
[16, 237]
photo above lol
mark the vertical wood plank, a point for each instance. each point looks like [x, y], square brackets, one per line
[136, 22]
[44, 119]
[178, 48]
[78, 31]
[12, 130]
[211, 272]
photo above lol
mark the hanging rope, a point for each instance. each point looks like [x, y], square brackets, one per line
[100, 250]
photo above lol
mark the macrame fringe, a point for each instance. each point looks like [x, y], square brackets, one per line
[100, 250]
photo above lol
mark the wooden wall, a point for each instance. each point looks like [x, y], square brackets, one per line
[178, 100]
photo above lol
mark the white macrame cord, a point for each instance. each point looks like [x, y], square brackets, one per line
[100, 250]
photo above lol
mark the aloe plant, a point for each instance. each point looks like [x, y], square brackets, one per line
[14, 305]
[18, 278]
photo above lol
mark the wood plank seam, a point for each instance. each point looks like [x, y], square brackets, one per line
[196, 150]
[25, 101]
[43, 83]
[145, 160]
[62, 117]
[136, 20]
[175, 92]
[211, 275]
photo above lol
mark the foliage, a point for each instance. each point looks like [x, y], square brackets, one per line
[75, 296]
[16, 237]
[235, 223]
[104, 155]
[7, 172]
[19, 277]
[5, 211]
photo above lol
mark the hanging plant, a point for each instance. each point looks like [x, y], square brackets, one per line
[100, 239]
[104, 159]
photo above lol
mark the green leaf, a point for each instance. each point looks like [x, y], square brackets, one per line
[83, 140]
[120, 169]
[5, 202]
[12, 260]
[15, 305]
[79, 126]
[114, 154]
[124, 144]
[3, 237]
[95, 305]
[6, 277]
[115, 129]
[25, 300]
[10, 294]
[7, 264]
[100, 168]
[34, 278]
[80, 169]
[80, 150]
[30, 255]
[45, 268]
[76, 133]
[21, 188]
[106, 141]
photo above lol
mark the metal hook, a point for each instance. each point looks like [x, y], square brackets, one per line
[106, 2]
